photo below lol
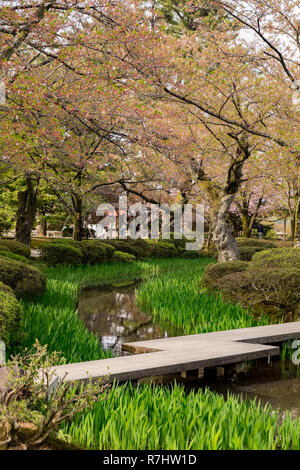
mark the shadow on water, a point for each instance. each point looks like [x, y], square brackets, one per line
[277, 384]
[110, 312]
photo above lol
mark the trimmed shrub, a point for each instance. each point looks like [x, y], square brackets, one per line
[109, 249]
[93, 252]
[270, 283]
[10, 255]
[142, 245]
[16, 247]
[25, 280]
[121, 257]
[163, 250]
[269, 290]
[243, 241]
[138, 248]
[214, 273]
[61, 253]
[280, 257]
[247, 252]
[10, 315]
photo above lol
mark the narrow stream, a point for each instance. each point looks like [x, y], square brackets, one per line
[110, 312]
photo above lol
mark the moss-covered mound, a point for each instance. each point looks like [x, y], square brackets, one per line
[214, 273]
[24, 280]
[270, 283]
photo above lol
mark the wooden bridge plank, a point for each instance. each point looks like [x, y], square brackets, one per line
[185, 353]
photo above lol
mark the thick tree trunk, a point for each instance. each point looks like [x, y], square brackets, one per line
[284, 229]
[78, 218]
[292, 218]
[209, 238]
[44, 226]
[246, 231]
[222, 198]
[222, 232]
[247, 218]
[27, 204]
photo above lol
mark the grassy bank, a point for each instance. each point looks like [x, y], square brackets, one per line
[176, 298]
[148, 418]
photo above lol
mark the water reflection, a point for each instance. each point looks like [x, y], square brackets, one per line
[277, 384]
[111, 313]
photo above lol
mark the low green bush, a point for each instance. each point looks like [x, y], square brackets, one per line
[109, 249]
[70, 252]
[243, 241]
[274, 291]
[163, 250]
[121, 257]
[10, 316]
[93, 252]
[247, 252]
[61, 253]
[25, 280]
[10, 255]
[16, 247]
[214, 273]
[269, 283]
[139, 248]
[280, 257]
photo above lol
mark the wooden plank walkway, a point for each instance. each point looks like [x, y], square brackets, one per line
[184, 353]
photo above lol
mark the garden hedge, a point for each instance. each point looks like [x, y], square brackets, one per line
[4, 251]
[121, 257]
[162, 249]
[214, 273]
[270, 283]
[16, 247]
[281, 257]
[139, 248]
[92, 252]
[249, 246]
[247, 252]
[61, 253]
[25, 280]
[69, 252]
[10, 316]
[243, 241]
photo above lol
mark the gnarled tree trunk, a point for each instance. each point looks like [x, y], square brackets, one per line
[221, 198]
[26, 213]
[222, 231]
